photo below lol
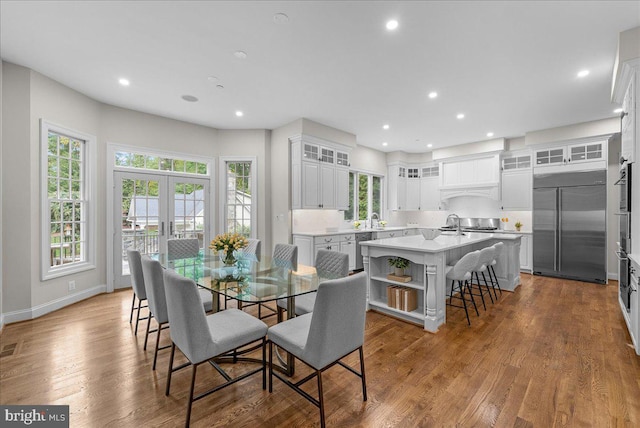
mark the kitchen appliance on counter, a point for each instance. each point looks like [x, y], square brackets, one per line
[569, 225]
[624, 216]
[360, 237]
[472, 224]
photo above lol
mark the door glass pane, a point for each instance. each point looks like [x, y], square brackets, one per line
[376, 195]
[348, 214]
[239, 196]
[363, 196]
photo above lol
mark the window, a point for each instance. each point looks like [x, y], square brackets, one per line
[240, 204]
[365, 196]
[152, 162]
[68, 213]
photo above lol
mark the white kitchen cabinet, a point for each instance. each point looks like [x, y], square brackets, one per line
[319, 174]
[628, 124]
[575, 156]
[470, 173]
[348, 247]
[429, 188]
[412, 202]
[526, 253]
[397, 187]
[517, 190]
[381, 234]
[308, 247]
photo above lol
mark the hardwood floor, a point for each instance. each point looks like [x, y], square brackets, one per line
[554, 353]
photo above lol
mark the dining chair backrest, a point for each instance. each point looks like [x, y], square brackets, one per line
[332, 264]
[461, 271]
[182, 248]
[338, 319]
[154, 282]
[253, 248]
[286, 256]
[137, 279]
[189, 330]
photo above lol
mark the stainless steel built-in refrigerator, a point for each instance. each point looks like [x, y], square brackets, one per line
[569, 225]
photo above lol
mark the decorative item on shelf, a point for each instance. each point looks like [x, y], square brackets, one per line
[503, 223]
[402, 298]
[518, 225]
[399, 264]
[227, 244]
[382, 223]
[430, 234]
[356, 224]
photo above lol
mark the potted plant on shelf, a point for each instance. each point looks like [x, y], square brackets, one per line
[398, 264]
[518, 225]
[382, 224]
[356, 225]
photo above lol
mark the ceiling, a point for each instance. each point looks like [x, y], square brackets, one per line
[510, 67]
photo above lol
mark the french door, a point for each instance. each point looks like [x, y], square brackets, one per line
[151, 208]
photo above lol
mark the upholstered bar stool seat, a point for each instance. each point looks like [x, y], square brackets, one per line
[486, 257]
[459, 275]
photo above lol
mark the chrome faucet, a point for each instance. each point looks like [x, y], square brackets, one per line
[459, 232]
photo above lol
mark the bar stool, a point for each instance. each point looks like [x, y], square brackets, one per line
[499, 246]
[461, 272]
[487, 255]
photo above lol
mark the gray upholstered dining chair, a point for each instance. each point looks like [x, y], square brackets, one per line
[202, 337]
[322, 338]
[137, 283]
[329, 265]
[154, 283]
[253, 249]
[460, 275]
[182, 248]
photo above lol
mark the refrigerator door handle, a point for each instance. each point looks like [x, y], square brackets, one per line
[558, 231]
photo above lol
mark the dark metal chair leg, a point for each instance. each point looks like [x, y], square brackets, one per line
[155, 354]
[264, 363]
[497, 283]
[479, 289]
[193, 384]
[138, 316]
[364, 381]
[173, 352]
[320, 398]
[472, 299]
[133, 305]
[464, 301]
[270, 366]
[146, 335]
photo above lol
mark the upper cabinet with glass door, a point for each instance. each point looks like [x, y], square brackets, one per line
[319, 174]
[575, 156]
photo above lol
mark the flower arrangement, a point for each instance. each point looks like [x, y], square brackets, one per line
[382, 223]
[228, 243]
[356, 224]
[518, 225]
[504, 220]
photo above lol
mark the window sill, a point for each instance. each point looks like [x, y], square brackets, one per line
[59, 271]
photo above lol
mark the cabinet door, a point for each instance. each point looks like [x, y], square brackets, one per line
[429, 194]
[342, 188]
[585, 152]
[412, 201]
[349, 248]
[310, 185]
[526, 261]
[402, 193]
[516, 190]
[546, 157]
[628, 125]
[328, 186]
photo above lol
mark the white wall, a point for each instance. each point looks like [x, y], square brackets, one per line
[1, 192]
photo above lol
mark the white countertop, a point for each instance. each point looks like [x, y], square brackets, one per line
[345, 231]
[634, 257]
[441, 243]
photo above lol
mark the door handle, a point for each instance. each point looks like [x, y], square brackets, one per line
[619, 255]
[162, 228]
[170, 228]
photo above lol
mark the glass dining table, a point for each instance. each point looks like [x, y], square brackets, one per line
[248, 281]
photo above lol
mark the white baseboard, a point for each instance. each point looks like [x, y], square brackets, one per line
[613, 275]
[54, 305]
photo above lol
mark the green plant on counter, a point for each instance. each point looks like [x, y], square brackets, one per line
[398, 262]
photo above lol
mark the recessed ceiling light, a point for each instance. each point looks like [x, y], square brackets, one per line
[489, 134]
[239, 113]
[385, 126]
[618, 110]
[189, 98]
[281, 18]
[240, 54]
[429, 145]
[392, 24]
[385, 144]
[212, 79]
[583, 73]
[460, 116]
[124, 82]
[433, 95]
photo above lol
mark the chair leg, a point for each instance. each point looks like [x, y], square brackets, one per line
[138, 315]
[472, 299]
[264, 363]
[479, 289]
[270, 366]
[320, 398]
[193, 383]
[155, 354]
[486, 284]
[497, 283]
[464, 301]
[280, 314]
[173, 353]
[133, 305]
[146, 335]
[364, 381]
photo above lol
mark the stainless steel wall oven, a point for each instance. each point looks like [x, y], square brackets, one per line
[624, 216]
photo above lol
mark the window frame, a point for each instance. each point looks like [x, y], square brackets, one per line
[253, 160]
[354, 197]
[89, 190]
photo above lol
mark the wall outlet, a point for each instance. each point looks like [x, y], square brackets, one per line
[72, 285]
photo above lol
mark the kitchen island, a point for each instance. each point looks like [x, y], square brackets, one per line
[427, 271]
